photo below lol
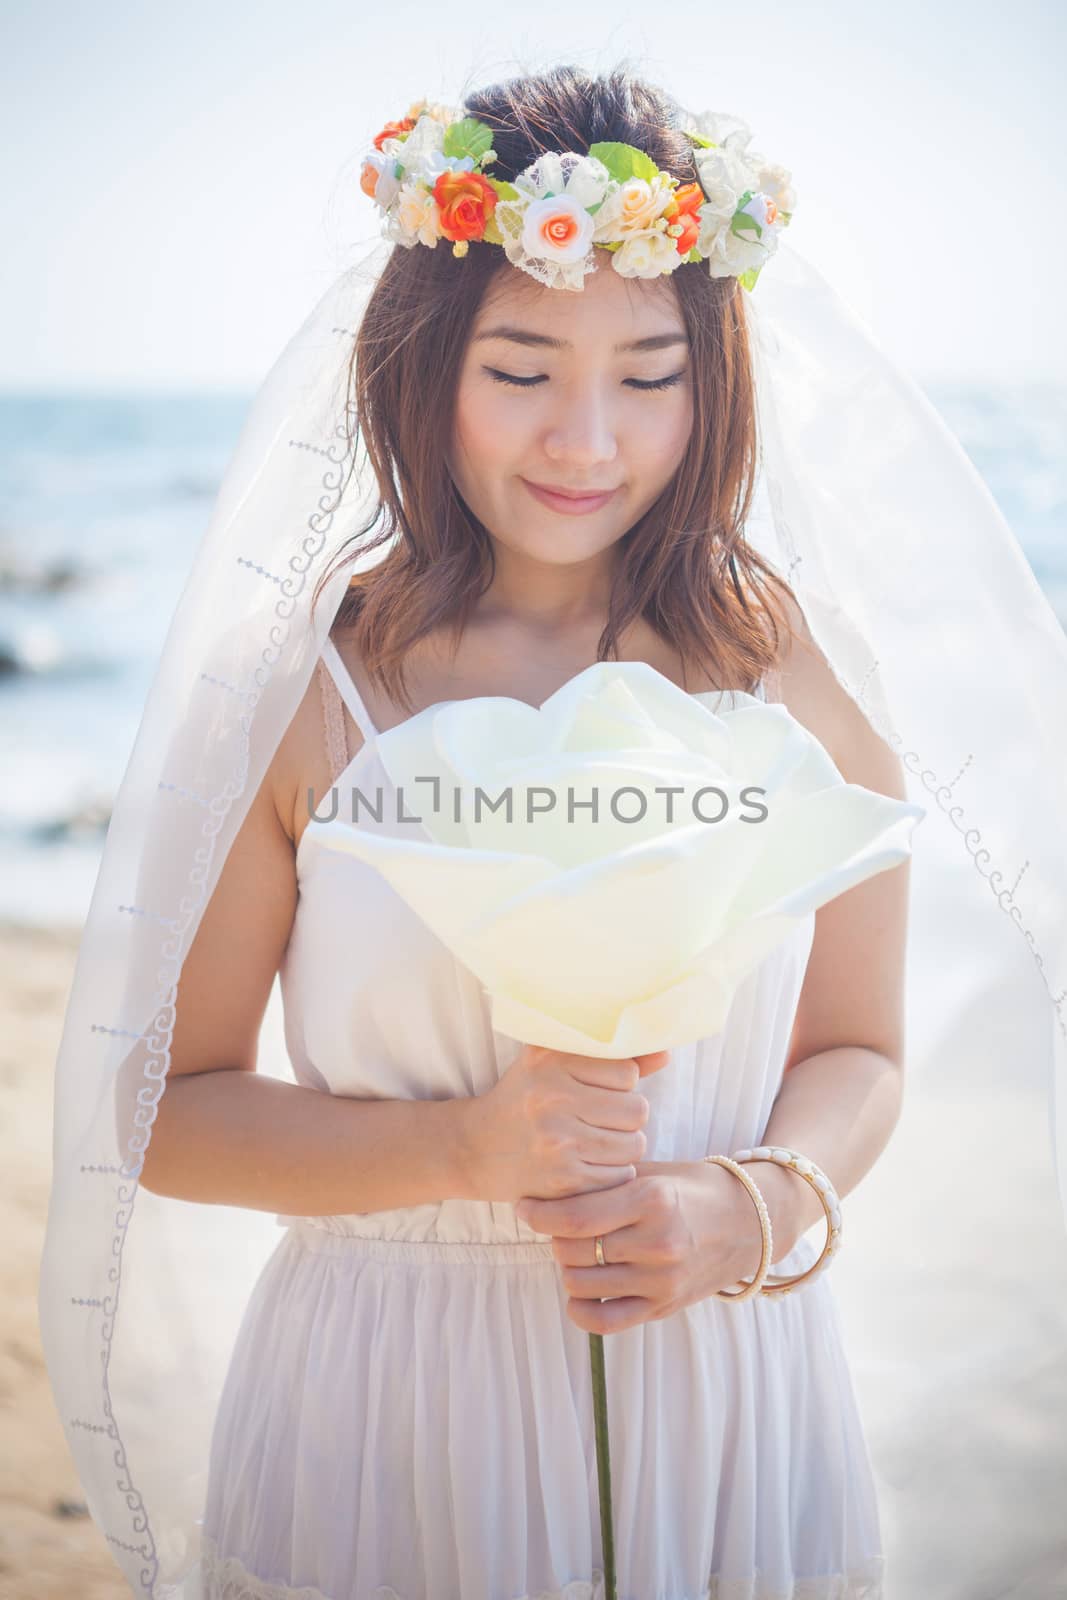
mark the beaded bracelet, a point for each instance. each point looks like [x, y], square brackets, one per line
[827, 1194]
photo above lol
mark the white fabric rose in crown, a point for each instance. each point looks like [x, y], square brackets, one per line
[612, 864]
[558, 229]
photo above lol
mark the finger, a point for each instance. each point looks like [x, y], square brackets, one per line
[602, 1283]
[614, 1316]
[598, 1178]
[615, 1108]
[654, 1061]
[582, 1215]
[602, 1145]
[630, 1245]
[601, 1073]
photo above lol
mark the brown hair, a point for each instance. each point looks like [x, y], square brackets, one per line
[684, 566]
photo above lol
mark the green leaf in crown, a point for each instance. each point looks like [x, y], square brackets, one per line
[699, 139]
[505, 191]
[743, 222]
[624, 161]
[467, 137]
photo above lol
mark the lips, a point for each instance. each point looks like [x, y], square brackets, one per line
[571, 502]
[571, 494]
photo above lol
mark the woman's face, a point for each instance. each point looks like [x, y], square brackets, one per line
[583, 414]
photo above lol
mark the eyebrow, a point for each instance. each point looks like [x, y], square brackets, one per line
[652, 341]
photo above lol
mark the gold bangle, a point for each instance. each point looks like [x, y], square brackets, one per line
[756, 1284]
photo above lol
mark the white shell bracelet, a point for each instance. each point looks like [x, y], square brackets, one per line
[813, 1175]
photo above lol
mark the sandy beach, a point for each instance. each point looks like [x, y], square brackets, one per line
[50, 1549]
[972, 1499]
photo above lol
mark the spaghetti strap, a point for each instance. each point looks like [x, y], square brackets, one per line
[333, 721]
[347, 689]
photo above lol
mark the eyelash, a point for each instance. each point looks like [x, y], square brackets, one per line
[530, 383]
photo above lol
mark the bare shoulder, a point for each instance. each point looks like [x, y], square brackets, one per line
[810, 691]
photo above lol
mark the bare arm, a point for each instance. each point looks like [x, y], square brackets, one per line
[226, 1135]
[234, 1138]
[842, 1092]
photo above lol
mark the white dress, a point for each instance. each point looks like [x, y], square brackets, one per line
[407, 1413]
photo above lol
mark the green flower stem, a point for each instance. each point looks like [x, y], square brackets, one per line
[603, 1460]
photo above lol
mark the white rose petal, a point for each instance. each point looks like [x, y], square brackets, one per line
[724, 178]
[583, 179]
[775, 182]
[607, 937]
[413, 218]
[420, 151]
[432, 165]
[722, 128]
[646, 255]
[646, 201]
[388, 187]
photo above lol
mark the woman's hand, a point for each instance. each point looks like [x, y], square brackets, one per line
[557, 1123]
[672, 1236]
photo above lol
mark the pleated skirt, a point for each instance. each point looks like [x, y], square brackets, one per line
[413, 1420]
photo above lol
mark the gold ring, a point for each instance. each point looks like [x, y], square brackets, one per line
[599, 1246]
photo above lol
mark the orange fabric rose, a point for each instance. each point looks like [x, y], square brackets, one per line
[368, 178]
[465, 202]
[688, 199]
[559, 229]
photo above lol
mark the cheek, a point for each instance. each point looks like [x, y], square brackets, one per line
[486, 430]
[661, 442]
[681, 419]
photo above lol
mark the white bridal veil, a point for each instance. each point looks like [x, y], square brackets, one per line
[919, 596]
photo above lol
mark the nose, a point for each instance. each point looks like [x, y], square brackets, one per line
[582, 430]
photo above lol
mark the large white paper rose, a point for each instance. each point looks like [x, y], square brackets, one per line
[599, 934]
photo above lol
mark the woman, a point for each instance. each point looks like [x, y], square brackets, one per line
[406, 1410]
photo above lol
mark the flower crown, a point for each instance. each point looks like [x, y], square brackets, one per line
[427, 174]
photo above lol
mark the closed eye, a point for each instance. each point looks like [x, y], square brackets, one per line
[638, 383]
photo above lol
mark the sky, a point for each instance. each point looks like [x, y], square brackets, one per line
[181, 183]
